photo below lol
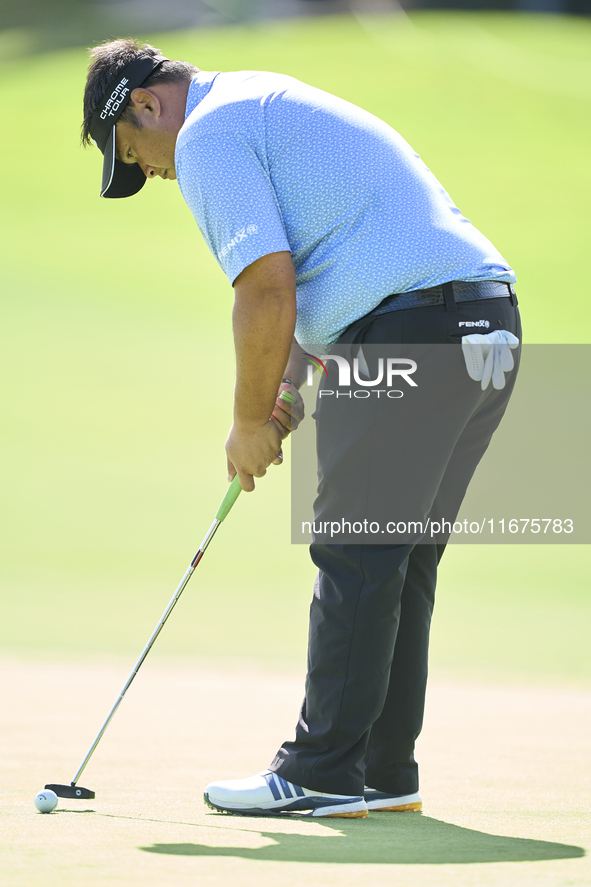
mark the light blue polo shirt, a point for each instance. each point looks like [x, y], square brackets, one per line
[267, 163]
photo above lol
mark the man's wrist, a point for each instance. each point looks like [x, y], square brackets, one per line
[248, 423]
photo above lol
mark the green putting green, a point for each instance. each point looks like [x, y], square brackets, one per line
[117, 368]
[496, 811]
[117, 357]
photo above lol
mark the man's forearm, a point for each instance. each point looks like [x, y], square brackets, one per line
[264, 321]
[296, 369]
[263, 331]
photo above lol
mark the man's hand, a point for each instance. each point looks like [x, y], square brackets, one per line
[287, 416]
[250, 451]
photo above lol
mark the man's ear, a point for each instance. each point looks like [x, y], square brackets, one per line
[145, 103]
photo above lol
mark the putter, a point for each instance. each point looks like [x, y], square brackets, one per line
[74, 790]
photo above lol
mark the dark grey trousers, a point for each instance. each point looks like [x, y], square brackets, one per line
[371, 611]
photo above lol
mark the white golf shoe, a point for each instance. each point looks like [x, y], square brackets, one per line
[382, 801]
[267, 794]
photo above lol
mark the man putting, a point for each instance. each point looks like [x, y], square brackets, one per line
[332, 232]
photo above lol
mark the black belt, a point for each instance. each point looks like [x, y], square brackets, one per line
[446, 294]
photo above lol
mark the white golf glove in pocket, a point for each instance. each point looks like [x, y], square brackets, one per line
[489, 357]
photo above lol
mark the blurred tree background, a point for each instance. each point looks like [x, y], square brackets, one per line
[45, 25]
[116, 349]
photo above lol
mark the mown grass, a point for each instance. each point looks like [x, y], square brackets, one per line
[117, 359]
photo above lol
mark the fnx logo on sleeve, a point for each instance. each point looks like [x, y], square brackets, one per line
[241, 235]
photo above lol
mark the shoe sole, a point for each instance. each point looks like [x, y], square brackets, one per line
[358, 814]
[355, 811]
[417, 807]
[411, 803]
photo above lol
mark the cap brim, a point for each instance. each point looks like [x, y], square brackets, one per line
[119, 179]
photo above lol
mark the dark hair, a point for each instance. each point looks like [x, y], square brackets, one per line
[108, 59]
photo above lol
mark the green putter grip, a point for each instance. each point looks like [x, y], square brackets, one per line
[227, 502]
[288, 397]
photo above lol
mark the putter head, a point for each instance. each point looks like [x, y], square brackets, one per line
[71, 791]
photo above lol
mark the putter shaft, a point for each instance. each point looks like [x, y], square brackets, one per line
[223, 510]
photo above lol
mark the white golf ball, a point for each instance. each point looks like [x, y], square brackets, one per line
[46, 801]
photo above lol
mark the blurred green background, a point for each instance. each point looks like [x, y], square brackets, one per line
[117, 360]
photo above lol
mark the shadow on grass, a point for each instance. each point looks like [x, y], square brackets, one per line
[403, 840]
[68, 810]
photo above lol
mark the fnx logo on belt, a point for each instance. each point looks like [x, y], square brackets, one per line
[117, 96]
[388, 371]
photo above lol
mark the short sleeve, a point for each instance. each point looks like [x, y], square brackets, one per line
[229, 191]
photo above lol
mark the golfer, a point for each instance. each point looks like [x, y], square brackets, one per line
[331, 231]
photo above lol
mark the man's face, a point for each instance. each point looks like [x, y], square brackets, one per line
[152, 147]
